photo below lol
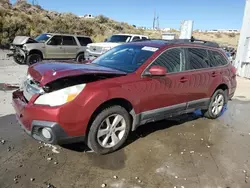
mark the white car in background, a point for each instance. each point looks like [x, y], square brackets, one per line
[94, 50]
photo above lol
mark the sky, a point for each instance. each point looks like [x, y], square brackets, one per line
[206, 14]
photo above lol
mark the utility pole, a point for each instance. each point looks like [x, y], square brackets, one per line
[154, 21]
[158, 23]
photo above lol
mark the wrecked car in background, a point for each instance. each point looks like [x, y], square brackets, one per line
[51, 46]
[94, 50]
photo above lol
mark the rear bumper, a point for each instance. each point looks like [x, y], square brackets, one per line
[34, 118]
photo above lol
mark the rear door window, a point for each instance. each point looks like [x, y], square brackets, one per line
[197, 58]
[69, 41]
[216, 59]
[84, 41]
[172, 60]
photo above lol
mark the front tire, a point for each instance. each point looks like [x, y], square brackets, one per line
[216, 105]
[109, 130]
[19, 59]
[33, 58]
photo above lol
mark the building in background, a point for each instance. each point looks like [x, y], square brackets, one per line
[88, 16]
[223, 31]
[242, 61]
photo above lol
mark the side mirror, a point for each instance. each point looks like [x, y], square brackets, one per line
[157, 71]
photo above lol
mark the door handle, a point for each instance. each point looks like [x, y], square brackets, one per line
[183, 79]
[214, 74]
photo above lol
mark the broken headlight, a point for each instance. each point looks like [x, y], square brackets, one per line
[60, 97]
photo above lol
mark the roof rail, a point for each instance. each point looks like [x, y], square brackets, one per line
[195, 41]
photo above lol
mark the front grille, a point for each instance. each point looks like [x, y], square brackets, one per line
[96, 49]
[30, 88]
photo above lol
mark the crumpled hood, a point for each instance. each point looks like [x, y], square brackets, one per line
[20, 40]
[104, 44]
[45, 73]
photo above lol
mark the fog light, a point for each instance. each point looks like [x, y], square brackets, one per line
[46, 133]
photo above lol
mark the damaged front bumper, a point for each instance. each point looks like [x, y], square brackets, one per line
[18, 53]
[31, 119]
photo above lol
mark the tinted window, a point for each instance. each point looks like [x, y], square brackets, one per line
[69, 41]
[144, 38]
[84, 41]
[55, 40]
[119, 38]
[216, 59]
[127, 58]
[197, 58]
[136, 38]
[172, 60]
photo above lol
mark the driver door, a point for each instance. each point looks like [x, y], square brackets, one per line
[54, 48]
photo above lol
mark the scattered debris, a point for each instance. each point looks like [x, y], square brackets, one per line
[9, 149]
[244, 171]
[54, 148]
[49, 159]
[139, 181]
[181, 153]
[202, 139]
[167, 166]
[32, 179]
[182, 186]
[115, 177]
[194, 134]
[191, 151]
[176, 177]
[185, 179]
[208, 146]
[248, 133]
[136, 178]
[103, 185]
[55, 163]
[170, 154]
[184, 150]
[20, 165]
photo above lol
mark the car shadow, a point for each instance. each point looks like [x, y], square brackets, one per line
[144, 130]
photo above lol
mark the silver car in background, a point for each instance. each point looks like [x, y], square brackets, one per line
[51, 46]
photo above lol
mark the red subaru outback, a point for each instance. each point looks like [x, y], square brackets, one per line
[133, 84]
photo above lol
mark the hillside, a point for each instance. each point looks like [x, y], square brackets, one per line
[23, 18]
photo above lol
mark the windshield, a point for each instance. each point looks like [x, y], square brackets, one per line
[43, 37]
[119, 38]
[126, 58]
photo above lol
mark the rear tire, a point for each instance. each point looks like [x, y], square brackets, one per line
[33, 58]
[216, 104]
[80, 58]
[109, 130]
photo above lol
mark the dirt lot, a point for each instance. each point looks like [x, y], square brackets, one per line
[189, 152]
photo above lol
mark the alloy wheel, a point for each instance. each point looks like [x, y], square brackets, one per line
[111, 131]
[217, 104]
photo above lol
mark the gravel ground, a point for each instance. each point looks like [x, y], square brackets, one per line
[188, 152]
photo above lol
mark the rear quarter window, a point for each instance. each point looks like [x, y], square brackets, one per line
[217, 59]
[84, 41]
